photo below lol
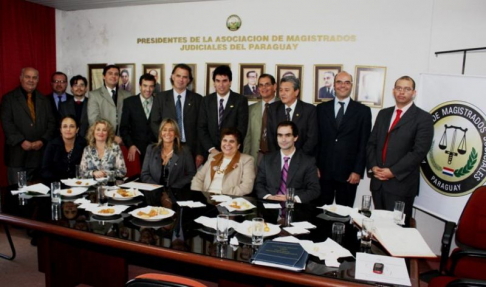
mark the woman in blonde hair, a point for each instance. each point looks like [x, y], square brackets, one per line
[167, 162]
[102, 157]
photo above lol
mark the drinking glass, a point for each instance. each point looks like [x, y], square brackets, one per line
[398, 211]
[102, 199]
[338, 230]
[366, 232]
[366, 203]
[78, 171]
[257, 228]
[55, 194]
[22, 179]
[222, 226]
[290, 198]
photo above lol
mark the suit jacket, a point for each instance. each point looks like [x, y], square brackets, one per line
[306, 120]
[237, 182]
[68, 108]
[18, 126]
[181, 167]
[102, 106]
[134, 125]
[408, 144]
[235, 115]
[302, 176]
[55, 164]
[342, 150]
[56, 111]
[324, 94]
[165, 107]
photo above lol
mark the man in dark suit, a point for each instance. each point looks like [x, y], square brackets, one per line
[135, 122]
[250, 90]
[327, 91]
[290, 108]
[181, 105]
[28, 123]
[344, 129]
[222, 109]
[78, 106]
[401, 137]
[58, 95]
[286, 168]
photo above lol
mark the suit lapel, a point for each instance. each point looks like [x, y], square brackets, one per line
[23, 103]
[293, 166]
[188, 103]
[349, 114]
[298, 112]
[229, 105]
[107, 96]
[277, 171]
[408, 116]
[330, 113]
[170, 103]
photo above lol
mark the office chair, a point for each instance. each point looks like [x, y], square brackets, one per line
[10, 242]
[162, 280]
[134, 168]
[449, 281]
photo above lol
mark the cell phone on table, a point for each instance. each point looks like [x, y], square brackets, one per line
[378, 268]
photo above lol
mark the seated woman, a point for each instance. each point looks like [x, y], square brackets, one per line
[102, 157]
[229, 172]
[167, 162]
[63, 153]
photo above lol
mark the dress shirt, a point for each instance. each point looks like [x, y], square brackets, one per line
[78, 100]
[150, 103]
[56, 99]
[109, 91]
[217, 182]
[270, 102]
[282, 161]
[337, 106]
[292, 109]
[225, 101]
[404, 110]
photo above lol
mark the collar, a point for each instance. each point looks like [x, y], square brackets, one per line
[218, 159]
[404, 109]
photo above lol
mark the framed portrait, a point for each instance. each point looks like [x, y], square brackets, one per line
[249, 74]
[192, 86]
[324, 82]
[95, 76]
[156, 70]
[370, 85]
[127, 80]
[210, 67]
[290, 70]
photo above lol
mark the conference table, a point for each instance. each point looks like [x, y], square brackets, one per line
[75, 246]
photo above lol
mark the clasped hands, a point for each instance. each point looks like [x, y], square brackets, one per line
[382, 173]
[28, 145]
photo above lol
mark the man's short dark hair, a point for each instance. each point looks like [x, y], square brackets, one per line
[184, 67]
[125, 71]
[249, 72]
[407, 78]
[223, 70]
[147, 77]
[58, 73]
[231, 132]
[74, 80]
[272, 78]
[293, 80]
[105, 69]
[292, 125]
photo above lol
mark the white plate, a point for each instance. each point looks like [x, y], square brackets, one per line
[75, 191]
[97, 210]
[115, 195]
[79, 182]
[241, 202]
[147, 210]
[245, 229]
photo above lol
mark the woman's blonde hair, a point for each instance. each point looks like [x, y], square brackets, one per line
[90, 138]
[177, 133]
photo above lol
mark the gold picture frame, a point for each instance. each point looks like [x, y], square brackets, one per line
[95, 76]
[249, 73]
[158, 71]
[289, 70]
[324, 81]
[128, 78]
[192, 86]
[370, 85]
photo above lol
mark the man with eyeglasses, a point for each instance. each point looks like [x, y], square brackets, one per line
[58, 95]
[256, 140]
[77, 106]
[344, 129]
[327, 91]
[250, 90]
[400, 140]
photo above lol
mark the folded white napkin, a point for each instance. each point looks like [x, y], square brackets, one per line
[303, 224]
[272, 205]
[296, 230]
[81, 201]
[338, 209]
[191, 204]
[234, 241]
[211, 222]
[221, 198]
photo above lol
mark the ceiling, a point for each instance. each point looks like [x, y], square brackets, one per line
[73, 5]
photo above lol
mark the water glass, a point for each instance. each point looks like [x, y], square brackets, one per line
[78, 171]
[290, 198]
[398, 211]
[366, 232]
[257, 229]
[22, 179]
[338, 230]
[222, 227]
[55, 211]
[55, 192]
[102, 199]
[366, 203]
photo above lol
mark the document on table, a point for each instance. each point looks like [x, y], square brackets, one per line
[403, 242]
[394, 271]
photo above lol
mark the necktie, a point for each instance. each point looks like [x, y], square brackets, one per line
[30, 104]
[179, 117]
[263, 134]
[146, 108]
[285, 170]
[78, 102]
[340, 114]
[253, 90]
[221, 111]
[397, 118]
[59, 102]
[288, 113]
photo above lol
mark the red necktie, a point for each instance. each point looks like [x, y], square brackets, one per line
[397, 118]
[79, 102]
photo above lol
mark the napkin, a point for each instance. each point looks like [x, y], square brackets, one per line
[296, 230]
[272, 205]
[211, 222]
[221, 198]
[329, 251]
[234, 241]
[303, 224]
[191, 204]
[88, 205]
[338, 209]
[81, 201]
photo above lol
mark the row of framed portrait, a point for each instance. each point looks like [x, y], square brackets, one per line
[369, 81]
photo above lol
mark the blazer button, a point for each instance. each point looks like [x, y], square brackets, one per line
[336, 139]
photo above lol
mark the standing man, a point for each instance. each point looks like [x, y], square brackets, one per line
[157, 88]
[28, 123]
[344, 129]
[78, 107]
[181, 105]
[256, 142]
[135, 123]
[250, 90]
[286, 168]
[290, 108]
[107, 101]
[58, 95]
[327, 91]
[125, 77]
[401, 137]
[221, 109]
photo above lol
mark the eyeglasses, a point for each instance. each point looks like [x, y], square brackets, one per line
[267, 85]
[405, 89]
[79, 85]
[59, 82]
[346, 83]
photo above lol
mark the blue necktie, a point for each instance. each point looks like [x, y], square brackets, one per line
[179, 117]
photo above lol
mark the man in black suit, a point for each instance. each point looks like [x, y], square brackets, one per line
[181, 105]
[222, 109]
[250, 90]
[28, 124]
[58, 95]
[290, 108]
[286, 168]
[78, 106]
[135, 122]
[344, 129]
[401, 137]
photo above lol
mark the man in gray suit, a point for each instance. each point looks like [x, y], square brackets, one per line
[28, 123]
[286, 168]
[107, 101]
[256, 143]
[400, 140]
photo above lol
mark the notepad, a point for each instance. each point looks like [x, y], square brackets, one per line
[403, 242]
[284, 255]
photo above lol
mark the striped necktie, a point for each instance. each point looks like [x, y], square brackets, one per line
[285, 170]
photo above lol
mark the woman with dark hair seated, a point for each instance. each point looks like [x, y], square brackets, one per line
[167, 162]
[229, 172]
[63, 153]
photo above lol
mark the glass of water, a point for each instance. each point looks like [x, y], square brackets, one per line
[257, 229]
[222, 226]
[366, 232]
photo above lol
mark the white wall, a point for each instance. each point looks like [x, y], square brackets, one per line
[401, 35]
